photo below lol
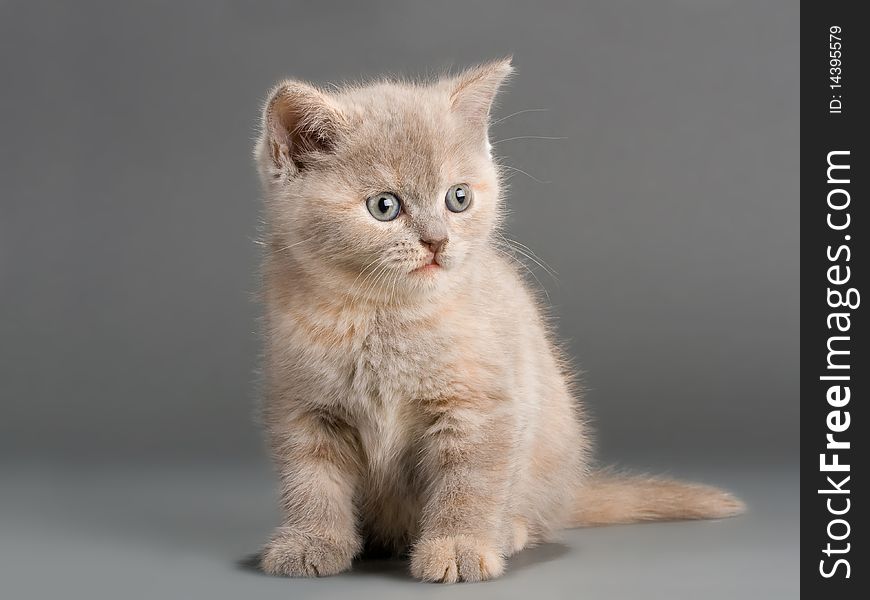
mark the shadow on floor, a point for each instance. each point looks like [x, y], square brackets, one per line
[397, 568]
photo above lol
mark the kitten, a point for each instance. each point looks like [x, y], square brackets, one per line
[414, 398]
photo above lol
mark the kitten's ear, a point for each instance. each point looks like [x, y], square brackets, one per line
[299, 120]
[473, 91]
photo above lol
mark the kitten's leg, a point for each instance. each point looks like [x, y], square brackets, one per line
[318, 462]
[467, 458]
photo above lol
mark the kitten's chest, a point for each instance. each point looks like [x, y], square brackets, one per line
[395, 362]
[389, 376]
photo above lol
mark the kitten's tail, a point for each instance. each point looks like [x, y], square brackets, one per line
[607, 499]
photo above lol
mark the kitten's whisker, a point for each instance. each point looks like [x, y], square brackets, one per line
[530, 176]
[393, 285]
[390, 282]
[357, 285]
[378, 280]
[531, 254]
[508, 244]
[548, 271]
[366, 268]
[347, 298]
[513, 258]
[293, 245]
[519, 112]
[362, 287]
[384, 284]
[388, 287]
[526, 268]
[529, 137]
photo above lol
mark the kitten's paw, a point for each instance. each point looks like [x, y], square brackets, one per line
[293, 554]
[455, 558]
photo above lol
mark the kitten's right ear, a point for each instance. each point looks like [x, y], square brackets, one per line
[299, 121]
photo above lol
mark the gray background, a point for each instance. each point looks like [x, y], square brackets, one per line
[128, 332]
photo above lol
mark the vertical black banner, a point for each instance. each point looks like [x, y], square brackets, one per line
[834, 264]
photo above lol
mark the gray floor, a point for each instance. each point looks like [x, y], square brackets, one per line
[183, 531]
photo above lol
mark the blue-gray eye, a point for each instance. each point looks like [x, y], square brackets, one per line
[384, 206]
[458, 197]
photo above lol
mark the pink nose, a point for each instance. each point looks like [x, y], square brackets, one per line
[434, 245]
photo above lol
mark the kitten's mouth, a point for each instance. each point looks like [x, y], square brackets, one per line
[429, 267]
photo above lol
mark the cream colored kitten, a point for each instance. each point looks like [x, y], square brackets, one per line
[414, 396]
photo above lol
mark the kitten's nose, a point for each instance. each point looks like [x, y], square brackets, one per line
[435, 244]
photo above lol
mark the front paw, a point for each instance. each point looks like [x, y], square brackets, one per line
[294, 554]
[455, 558]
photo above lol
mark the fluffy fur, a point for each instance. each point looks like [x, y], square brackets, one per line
[415, 409]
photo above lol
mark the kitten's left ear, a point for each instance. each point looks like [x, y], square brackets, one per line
[473, 91]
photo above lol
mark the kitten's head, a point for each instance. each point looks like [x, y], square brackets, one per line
[384, 186]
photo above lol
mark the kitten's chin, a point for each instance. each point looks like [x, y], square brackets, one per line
[427, 279]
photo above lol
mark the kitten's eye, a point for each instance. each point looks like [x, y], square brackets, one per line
[384, 206]
[458, 198]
